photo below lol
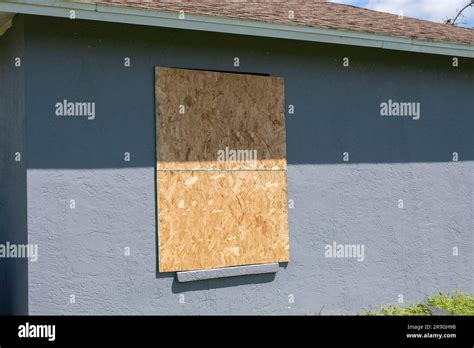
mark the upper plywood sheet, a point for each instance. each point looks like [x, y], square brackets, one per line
[212, 120]
[221, 219]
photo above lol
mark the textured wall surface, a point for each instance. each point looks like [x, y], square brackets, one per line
[13, 272]
[407, 251]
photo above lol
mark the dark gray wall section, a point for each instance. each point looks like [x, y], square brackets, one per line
[407, 251]
[336, 108]
[13, 272]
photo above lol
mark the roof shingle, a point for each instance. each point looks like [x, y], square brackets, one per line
[310, 13]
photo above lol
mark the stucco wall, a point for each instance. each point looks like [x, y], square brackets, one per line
[408, 250]
[13, 271]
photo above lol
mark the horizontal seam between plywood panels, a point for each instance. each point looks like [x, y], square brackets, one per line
[221, 170]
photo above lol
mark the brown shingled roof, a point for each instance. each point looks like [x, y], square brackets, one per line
[310, 13]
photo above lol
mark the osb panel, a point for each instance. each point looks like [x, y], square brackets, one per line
[213, 120]
[220, 219]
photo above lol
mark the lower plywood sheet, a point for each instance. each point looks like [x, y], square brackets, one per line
[220, 219]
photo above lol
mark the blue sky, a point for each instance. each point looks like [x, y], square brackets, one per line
[433, 10]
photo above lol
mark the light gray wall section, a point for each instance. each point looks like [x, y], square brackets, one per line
[13, 272]
[407, 251]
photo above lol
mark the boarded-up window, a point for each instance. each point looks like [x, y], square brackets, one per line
[222, 185]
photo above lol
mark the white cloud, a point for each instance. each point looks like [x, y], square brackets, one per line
[433, 10]
[438, 10]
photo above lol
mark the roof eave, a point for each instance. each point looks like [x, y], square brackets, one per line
[168, 19]
[5, 21]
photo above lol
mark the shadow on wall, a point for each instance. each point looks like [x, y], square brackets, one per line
[336, 109]
[329, 121]
[13, 205]
[178, 287]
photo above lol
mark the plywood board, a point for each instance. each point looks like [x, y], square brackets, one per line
[219, 219]
[213, 120]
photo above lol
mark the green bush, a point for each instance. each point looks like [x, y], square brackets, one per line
[456, 303]
[459, 303]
